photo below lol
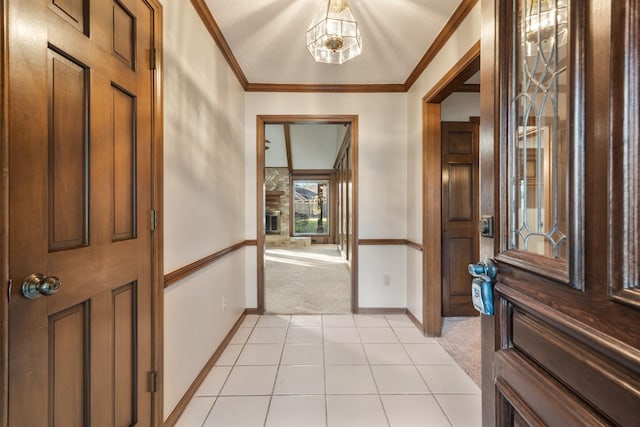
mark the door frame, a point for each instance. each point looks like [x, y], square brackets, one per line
[261, 121]
[157, 201]
[4, 218]
[466, 67]
[157, 238]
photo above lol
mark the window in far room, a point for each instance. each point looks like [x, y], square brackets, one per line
[311, 207]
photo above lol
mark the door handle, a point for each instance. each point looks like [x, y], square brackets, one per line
[484, 273]
[484, 270]
[37, 284]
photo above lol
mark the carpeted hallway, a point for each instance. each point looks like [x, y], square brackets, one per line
[312, 280]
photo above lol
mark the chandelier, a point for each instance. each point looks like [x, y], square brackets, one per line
[546, 25]
[334, 34]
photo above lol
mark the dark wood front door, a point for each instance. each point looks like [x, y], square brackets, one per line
[459, 215]
[80, 159]
[560, 143]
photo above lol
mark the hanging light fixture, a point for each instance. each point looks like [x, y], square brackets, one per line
[546, 25]
[334, 34]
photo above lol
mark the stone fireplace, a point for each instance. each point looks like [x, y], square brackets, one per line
[277, 200]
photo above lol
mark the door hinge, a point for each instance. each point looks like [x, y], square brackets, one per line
[9, 290]
[153, 220]
[153, 381]
[153, 58]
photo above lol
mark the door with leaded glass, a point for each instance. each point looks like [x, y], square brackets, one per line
[560, 144]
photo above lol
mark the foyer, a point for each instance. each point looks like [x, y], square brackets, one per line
[333, 370]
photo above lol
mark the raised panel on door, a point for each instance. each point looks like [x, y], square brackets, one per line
[124, 164]
[458, 253]
[80, 173]
[69, 366]
[68, 183]
[459, 139]
[125, 374]
[124, 34]
[75, 12]
[460, 192]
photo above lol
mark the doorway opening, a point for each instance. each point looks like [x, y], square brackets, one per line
[450, 211]
[433, 222]
[306, 222]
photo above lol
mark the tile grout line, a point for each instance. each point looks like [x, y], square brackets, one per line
[424, 380]
[209, 411]
[432, 394]
[443, 411]
[323, 365]
[384, 410]
[275, 378]
[324, 368]
[415, 366]
[218, 395]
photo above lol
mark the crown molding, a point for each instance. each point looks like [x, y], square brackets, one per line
[212, 26]
[466, 67]
[447, 31]
[286, 87]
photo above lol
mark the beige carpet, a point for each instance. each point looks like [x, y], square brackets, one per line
[461, 339]
[312, 280]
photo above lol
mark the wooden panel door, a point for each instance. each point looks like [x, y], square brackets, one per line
[563, 348]
[80, 157]
[459, 215]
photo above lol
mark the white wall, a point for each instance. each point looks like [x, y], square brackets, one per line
[375, 263]
[460, 42]
[195, 324]
[459, 106]
[204, 201]
[382, 178]
[314, 146]
[276, 155]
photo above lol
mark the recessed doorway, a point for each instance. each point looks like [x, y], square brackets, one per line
[433, 224]
[307, 192]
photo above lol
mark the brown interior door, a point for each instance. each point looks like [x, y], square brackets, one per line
[459, 215]
[80, 158]
[560, 141]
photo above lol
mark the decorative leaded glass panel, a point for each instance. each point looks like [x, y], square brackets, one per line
[624, 184]
[538, 153]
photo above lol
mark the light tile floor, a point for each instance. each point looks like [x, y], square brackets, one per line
[331, 371]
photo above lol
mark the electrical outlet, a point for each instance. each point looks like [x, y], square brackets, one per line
[386, 280]
[224, 304]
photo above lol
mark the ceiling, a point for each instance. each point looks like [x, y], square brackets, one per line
[267, 39]
[309, 146]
